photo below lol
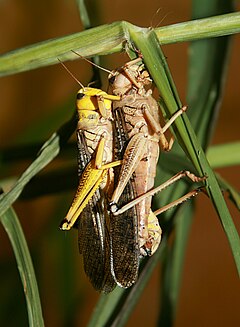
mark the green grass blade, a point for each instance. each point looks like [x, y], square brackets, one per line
[105, 308]
[110, 38]
[155, 62]
[94, 41]
[49, 151]
[200, 29]
[13, 228]
[207, 76]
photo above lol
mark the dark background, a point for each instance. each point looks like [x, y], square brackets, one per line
[210, 291]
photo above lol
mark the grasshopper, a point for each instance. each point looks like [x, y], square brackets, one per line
[111, 242]
[139, 112]
[110, 257]
[88, 210]
[95, 139]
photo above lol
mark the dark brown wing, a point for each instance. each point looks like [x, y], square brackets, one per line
[94, 246]
[124, 227]
[93, 232]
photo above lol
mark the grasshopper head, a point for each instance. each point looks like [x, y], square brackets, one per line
[86, 99]
[89, 98]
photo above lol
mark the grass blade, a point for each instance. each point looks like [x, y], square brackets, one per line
[105, 308]
[110, 38]
[199, 29]
[13, 228]
[49, 151]
[156, 64]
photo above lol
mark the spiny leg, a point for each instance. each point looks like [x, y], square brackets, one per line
[90, 180]
[165, 145]
[178, 201]
[175, 178]
[150, 245]
[132, 156]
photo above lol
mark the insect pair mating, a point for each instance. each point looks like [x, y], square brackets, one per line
[119, 136]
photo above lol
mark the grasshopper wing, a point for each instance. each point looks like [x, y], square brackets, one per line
[124, 227]
[93, 233]
[124, 248]
[94, 245]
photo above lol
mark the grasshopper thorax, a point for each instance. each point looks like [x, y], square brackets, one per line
[120, 84]
[129, 79]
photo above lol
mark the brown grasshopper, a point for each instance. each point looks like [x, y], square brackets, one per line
[139, 113]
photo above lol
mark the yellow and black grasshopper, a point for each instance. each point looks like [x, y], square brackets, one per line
[110, 256]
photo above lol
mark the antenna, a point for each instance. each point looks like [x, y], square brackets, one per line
[92, 63]
[70, 73]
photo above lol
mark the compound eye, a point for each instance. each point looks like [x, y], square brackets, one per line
[112, 79]
[80, 96]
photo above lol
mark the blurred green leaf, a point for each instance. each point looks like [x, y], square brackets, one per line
[172, 264]
[83, 14]
[224, 155]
